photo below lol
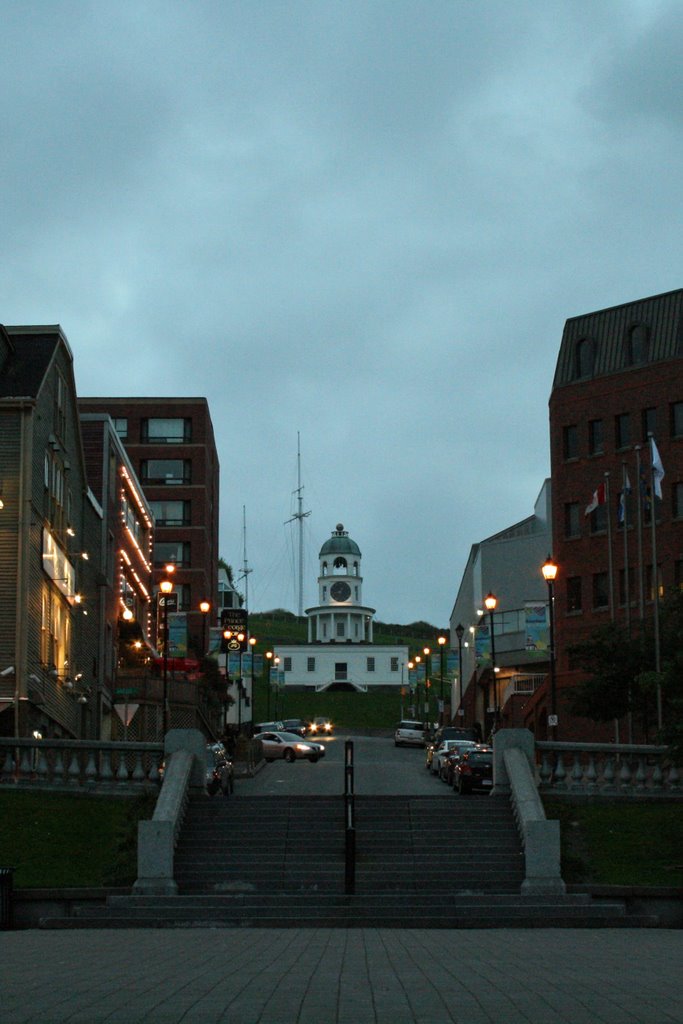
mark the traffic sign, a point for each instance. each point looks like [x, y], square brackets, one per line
[130, 691]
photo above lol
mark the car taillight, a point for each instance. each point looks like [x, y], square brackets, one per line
[465, 769]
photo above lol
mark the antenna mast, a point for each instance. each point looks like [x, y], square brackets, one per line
[300, 515]
[245, 570]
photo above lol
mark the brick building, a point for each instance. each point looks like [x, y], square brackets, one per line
[618, 383]
[170, 443]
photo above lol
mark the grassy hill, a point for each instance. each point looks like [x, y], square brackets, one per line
[283, 627]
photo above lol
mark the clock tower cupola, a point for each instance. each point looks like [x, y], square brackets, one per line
[340, 614]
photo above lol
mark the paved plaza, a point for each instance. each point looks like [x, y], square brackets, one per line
[336, 976]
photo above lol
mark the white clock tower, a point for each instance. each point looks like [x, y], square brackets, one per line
[340, 617]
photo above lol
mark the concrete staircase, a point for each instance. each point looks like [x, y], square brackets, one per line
[421, 862]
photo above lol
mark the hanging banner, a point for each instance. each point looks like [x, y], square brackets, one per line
[177, 634]
[482, 644]
[537, 629]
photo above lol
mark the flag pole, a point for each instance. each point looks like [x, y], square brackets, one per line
[639, 530]
[610, 565]
[625, 488]
[655, 575]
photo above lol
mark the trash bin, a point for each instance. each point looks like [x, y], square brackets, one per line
[6, 881]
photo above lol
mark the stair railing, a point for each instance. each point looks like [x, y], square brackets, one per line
[350, 821]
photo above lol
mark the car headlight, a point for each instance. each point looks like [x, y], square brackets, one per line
[303, 746]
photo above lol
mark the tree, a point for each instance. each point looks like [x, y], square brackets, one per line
[621, 678]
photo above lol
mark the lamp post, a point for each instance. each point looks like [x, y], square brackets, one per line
[205, 608]
[276, 662]
[426, 651]
[166, 588]
[269, 655]
[490, 602]
[417, 659]
[411, 666]
[240, 685]
[252, 644]
[549, 570]
[441, 641]
[459, 632]
[227, 636]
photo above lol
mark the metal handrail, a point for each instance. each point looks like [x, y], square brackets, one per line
[350, 821]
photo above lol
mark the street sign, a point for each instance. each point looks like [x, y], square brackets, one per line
[234, 619]
[552, 720]
[130, 691]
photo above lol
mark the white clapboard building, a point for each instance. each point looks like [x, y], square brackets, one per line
[340, 653]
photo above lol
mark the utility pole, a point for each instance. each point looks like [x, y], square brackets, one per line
[300, 515]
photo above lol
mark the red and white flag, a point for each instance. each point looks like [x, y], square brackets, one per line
[599, 498]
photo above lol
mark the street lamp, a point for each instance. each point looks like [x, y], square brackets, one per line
[411, 666]
[459, 632]
[549, 570]
[441, 641]
[252, 644]
[490, 602]
[267, 667]
[276, 662]
[205, 608]
[426, 651]
[227, 636]
[166, 588]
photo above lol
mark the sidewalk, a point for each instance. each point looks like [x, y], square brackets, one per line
[336, 976]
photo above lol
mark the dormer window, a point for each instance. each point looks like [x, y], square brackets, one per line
[584, 358]
[637, 345]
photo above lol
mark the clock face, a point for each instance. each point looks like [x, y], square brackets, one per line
[340, 591]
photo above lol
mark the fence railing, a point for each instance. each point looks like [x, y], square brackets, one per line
[87, 764]
[607, 769]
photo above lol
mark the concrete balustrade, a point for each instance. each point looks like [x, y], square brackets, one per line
[607, 769]
[95, 765]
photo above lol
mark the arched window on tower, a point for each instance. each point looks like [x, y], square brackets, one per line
[340, 565]
[324, 568]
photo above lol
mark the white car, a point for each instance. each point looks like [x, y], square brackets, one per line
[410, 732]
[442, 752]
[289, 747]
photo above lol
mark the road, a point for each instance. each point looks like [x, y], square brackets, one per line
[380, 769]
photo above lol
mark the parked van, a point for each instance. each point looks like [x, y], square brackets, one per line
[411, 733]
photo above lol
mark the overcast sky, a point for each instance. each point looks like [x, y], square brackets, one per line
[365, 222]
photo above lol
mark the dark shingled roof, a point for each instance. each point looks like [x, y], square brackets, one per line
[28, 357]
[606, 336]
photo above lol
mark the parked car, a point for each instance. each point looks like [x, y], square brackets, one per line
[455, 732]
[321, 726]
[474, 770]
[453, 756]
[441, 752]
[269, 727]
[410, 733]
[296, 725]
[289, 747]
[220, 774]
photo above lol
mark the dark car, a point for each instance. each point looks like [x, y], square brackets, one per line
[454, 732]
[296, 725]
[220, 775]
[473, 771]
[454, 755]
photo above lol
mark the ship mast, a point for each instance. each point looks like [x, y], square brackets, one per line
[300, 515]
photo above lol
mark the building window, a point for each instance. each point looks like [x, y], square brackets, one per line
[171, 551]
[121, 427]
[394, 664]
[288, 665]
[637, 345]
[596, 437]
[570, 441]
[173, 472]
[649, 585]
[311, 664]
[622, 430]
[677, 419]
[341, 631]
[341, 671]
[598, 519]
[574, 594]
[572, 519]
[677, 500]
[648, 419]
[174, 430]
[600, 590]
[171, 513]
[324, 593]
[622, 587]
[370, 665]
[584, 357]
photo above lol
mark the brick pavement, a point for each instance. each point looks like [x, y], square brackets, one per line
[336, 976]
